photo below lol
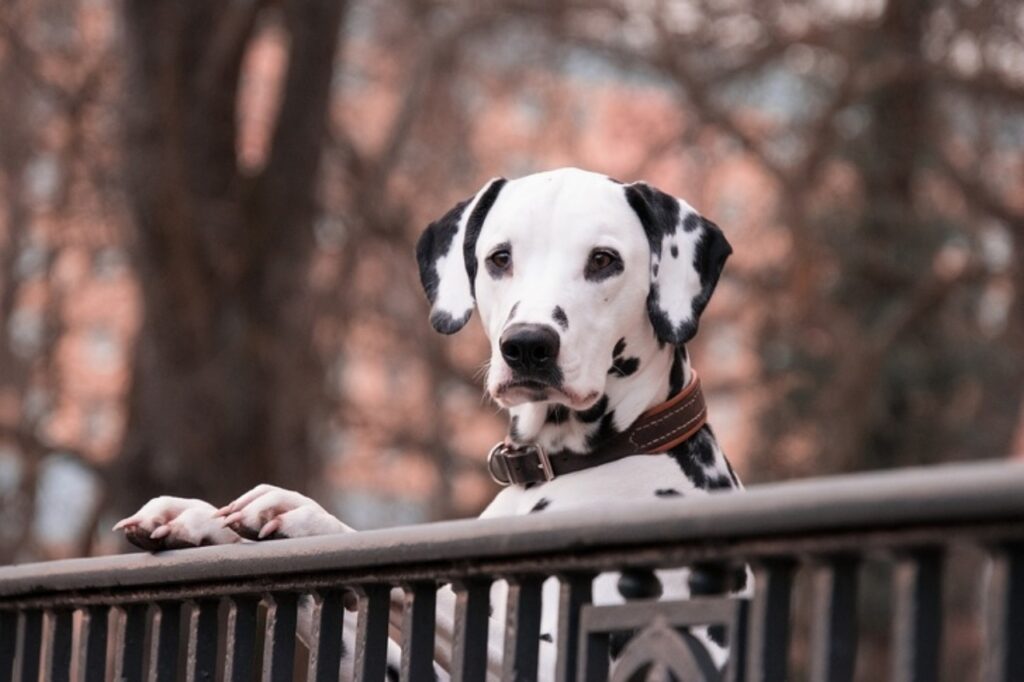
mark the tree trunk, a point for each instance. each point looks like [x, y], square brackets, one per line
[226, 378]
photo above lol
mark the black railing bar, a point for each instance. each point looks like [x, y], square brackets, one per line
[637, 615]
[522, 629]
[865, 544]
[325, 649]
[917, 615]
[937, 495]
[279, 638]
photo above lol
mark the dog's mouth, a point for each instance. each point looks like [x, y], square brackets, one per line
[518, 391]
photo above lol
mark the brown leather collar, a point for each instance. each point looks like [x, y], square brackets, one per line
[657, 430]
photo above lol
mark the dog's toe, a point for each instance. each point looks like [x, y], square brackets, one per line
[268, 513]
[174, 523]
[140, 537]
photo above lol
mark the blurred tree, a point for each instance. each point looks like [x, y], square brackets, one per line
[266, 167]
[225, 369]
[881, 337]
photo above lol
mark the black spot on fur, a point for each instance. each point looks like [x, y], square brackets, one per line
[696, 456]
[716, 633]
[709, 258]
[541, 505]
[546, 637]
[654, 270]
[591, 415]
[446, 324]
[674, 251]
[675, 375]
[513, 311]
[704, 451]
[435, 243]
[557, 414]
[620, 347]
[624, 367]
[720, 482]
[667, 492]
[473, 227]
[513, 428]
[560, 317]
[659, 214]
[392, 674]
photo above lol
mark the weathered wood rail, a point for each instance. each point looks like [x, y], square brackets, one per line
[193, 614]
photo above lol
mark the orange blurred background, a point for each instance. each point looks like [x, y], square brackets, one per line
[864, 160]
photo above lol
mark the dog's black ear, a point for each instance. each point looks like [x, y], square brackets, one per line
[446, 253]
[688, 252]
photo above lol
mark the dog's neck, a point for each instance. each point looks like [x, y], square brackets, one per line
[643, 374]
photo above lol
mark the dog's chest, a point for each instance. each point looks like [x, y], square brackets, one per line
[631, 479]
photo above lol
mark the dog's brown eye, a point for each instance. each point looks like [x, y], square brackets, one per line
[501, 260]
[603, 263]
[599, 260]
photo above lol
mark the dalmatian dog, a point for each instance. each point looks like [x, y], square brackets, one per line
[588, 290]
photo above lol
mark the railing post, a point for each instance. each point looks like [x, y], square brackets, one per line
[418, 631]
[834, 638]
[201, 658]
[8, 643]
[472, 621]
[768, 631]
[58, 649]
[1004, 657]
[129, 644]
[917, 619]
[30, 637]
[522, 628]
[164, 640]
[575, 590]
[372, 632]
[279, 638]
[92, 643]
[325, 645]
[634, 583]
[240, 638]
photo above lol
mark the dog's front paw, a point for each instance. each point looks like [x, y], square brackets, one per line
[267, 512]
[175, 523]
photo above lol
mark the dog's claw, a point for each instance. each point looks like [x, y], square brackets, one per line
[270, 528]
[125, 522]
[160, 532]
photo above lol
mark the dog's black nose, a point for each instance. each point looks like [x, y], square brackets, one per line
[530, 347]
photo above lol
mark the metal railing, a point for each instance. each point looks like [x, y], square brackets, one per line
[230, 612]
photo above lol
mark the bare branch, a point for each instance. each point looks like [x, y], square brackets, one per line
[979, 194]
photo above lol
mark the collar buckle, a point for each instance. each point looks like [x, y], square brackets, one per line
[508, 464]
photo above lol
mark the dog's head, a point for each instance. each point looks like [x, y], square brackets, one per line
[562, 265]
